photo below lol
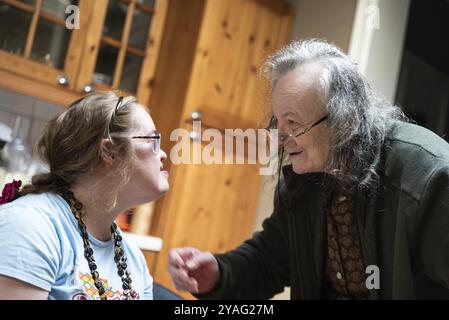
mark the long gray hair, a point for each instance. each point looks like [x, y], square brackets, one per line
[358, 117]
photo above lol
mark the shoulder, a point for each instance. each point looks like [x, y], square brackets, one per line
[30, 242]
[413, 155]
[416, 140]
[39, 212]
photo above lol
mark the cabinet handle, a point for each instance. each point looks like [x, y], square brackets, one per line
[88, 88]
[196, 115]
[63, 80]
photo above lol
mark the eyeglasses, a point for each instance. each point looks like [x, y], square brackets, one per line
[156, 144]
[156, 137]
[284, 136]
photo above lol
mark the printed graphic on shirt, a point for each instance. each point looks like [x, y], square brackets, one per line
[91, 291]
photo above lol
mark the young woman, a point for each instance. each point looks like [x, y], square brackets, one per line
[58, 238]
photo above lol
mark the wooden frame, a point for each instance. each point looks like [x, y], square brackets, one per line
[91, 45]
[39, 90]
[32, 29]
[152, 51]
[84, 46]
[23, 65]
[150, 56]
[123, 44]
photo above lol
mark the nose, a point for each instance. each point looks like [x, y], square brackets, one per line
[287, 141]
[163, 155]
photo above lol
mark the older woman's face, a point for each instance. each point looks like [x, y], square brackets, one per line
[296, 105]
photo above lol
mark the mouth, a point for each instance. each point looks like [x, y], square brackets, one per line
[291, 154]
[164, 172]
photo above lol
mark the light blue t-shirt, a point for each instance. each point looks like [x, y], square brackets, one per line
[40, 244]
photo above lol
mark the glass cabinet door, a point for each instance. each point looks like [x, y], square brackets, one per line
[52, 37]
[14, 26]
[116, 44]
[35, 31]
[123, 45]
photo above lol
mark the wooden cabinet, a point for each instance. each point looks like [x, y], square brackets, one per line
[43, 53]
[213, 51]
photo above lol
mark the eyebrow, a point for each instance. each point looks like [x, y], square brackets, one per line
[285, 114]
[297, 116]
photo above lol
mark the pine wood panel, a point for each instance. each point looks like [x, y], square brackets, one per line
[235, 32]
[212, 209]
[169, 86]
[266, 34]
[39, 90]
[31, 69]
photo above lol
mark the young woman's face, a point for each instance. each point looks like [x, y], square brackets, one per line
[148, 180]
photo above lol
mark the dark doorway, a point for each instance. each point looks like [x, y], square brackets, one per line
[423, 87]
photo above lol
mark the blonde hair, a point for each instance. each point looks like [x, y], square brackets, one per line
[71, 142]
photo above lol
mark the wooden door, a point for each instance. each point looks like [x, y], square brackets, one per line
[212, 206]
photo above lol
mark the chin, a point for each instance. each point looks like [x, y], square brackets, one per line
[153, 192]
[301, 167]
[163, 188]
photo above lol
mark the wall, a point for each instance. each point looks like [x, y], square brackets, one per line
[34, 114]
[326, 19]
[377, 42]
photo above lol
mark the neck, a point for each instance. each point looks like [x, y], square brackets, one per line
[98, 218]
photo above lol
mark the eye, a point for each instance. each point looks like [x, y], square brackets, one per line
[293, 124]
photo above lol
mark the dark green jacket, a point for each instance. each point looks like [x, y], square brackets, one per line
[403, 223]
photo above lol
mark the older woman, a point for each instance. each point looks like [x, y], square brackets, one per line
[58, 239]
[362, 211]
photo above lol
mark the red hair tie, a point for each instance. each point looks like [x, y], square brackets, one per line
[10, 191]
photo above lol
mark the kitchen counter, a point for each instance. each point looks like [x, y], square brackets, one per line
[144, 242]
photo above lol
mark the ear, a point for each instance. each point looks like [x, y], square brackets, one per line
[107, 152]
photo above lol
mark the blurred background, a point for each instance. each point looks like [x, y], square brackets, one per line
[199, 60]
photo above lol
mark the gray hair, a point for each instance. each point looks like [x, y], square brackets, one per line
[358, 117]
